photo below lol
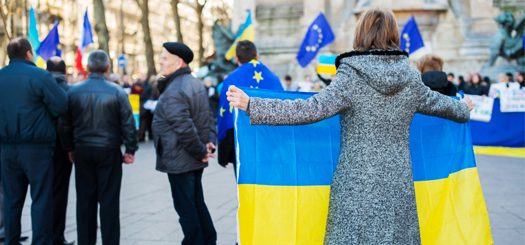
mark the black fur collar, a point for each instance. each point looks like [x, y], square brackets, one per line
[369, 52]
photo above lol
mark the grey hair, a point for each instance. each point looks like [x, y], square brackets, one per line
[98, 61]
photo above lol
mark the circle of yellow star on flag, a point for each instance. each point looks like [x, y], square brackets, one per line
[254, 63]
[258, 76]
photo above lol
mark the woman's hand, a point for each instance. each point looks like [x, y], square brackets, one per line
[238, 98]
[468, 102]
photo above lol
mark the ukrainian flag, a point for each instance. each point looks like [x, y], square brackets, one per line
[284, 178]
[246, 32]
[34, 39]
[449, 199]
[285, 174]
[326, 65]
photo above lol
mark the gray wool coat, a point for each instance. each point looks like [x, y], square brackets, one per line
[372, 199]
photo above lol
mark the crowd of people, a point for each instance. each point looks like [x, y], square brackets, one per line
[46, 125]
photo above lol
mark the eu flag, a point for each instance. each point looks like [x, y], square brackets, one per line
[49, 47]
[318, 35]
[251, 75]
[411, 39]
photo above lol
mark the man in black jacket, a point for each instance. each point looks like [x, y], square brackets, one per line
[62, 172]
[184, 133]
[30, 101]
[99, 120]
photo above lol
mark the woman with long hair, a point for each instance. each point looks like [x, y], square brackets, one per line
[377, 93]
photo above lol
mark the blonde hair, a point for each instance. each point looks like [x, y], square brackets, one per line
[376, 29]
[430, 62]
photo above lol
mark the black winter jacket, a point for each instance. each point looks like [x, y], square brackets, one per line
[99, 115]
[182, 125]
[437, 81]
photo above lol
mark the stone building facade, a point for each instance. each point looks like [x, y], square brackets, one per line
[459, 31]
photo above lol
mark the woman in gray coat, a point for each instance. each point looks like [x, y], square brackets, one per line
[377, 93]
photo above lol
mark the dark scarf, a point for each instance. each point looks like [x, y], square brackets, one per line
[163, 83]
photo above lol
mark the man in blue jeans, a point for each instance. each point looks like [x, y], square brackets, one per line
[30, 102]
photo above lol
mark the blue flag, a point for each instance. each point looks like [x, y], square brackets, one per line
[251, 75]
[318, 35]
[49, 47]
[87, 34]
[411, 39]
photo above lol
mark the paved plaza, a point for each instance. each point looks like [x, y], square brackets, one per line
[148, 217]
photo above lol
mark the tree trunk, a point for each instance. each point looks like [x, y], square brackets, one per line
[200, 27]
[176, 17]
[100, 25]
[144, 21]
[3, 15]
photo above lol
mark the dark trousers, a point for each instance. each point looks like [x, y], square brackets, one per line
[188, 199]
[23, 166]
[98, 175]
[146, 118]
[60, 193]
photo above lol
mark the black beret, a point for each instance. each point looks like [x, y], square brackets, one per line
[179, 49]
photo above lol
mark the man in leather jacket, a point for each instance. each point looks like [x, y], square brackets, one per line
[184, 132]
[99, 120]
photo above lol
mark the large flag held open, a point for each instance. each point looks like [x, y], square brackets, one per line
[253, 74]
[285, 172]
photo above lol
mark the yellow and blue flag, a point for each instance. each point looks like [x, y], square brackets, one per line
[32, 35]
[245, 32]
[326, 65]
[450, 203]
[285, 172]
[284, 176]
[411, 39]
[253, 74]
[318, 35]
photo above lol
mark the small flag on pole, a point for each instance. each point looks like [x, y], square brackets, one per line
[86, 38]
[318, 35]
[246, 32]
[411, 39]
[33, 32]
[49, 46]
[326, 65]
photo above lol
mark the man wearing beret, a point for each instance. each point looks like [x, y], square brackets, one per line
[184, 133]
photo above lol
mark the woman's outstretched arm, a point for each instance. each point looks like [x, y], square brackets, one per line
[435, 104]
[325, 104]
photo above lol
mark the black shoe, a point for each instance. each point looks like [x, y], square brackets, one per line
[69, 242]
[22, 239]
[65, 242]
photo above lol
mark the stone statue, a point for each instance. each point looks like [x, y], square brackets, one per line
[508, 41]
[223, 38]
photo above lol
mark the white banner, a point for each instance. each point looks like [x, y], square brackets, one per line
[513, 100]
[482, 108]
